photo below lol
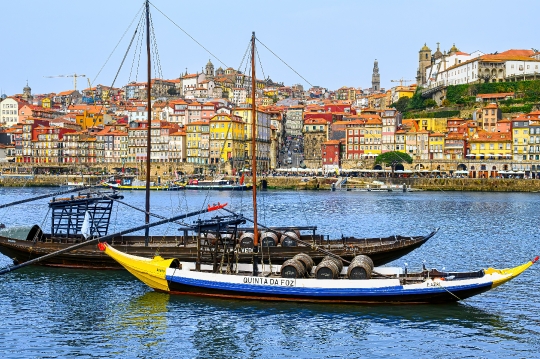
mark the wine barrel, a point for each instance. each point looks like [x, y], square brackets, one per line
[288, 239]
[363, 257]
[247, 240]
[306, 261]
[269, 239]
[226, 237]
[292, 268]
[210, 237]
[327, 269]
[338, 262]
[361, 267]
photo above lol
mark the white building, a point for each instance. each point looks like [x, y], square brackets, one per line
[9, 114]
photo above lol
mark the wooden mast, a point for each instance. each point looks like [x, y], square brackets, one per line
[149, 127]
[254, 143]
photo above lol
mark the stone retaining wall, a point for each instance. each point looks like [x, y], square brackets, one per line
[318, 183]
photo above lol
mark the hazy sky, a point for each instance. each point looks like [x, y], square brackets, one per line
[330, 43]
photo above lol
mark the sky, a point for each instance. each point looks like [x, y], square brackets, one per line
[329, 43]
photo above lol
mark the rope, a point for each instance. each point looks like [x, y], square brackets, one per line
[121, 38]
[286, 64]
[191, 37]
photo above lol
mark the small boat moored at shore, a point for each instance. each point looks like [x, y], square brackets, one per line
[220, 185]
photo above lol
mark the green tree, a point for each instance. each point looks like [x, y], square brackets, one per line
[430, 103]
[393, 159]
[401, 104]
[416, 102]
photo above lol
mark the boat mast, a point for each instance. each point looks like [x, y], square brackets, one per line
[254, 143]
[149, 127]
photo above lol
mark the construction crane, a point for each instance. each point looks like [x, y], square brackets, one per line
[401, 81]
[74, 78]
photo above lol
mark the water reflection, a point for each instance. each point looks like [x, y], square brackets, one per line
[247, 328]
[138, 325]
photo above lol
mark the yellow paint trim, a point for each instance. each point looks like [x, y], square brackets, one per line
[149, 271]
[507, 273]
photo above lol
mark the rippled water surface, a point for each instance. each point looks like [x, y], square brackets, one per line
[53, 313]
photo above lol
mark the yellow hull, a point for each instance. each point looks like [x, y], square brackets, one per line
[508, 273]
[149, 271]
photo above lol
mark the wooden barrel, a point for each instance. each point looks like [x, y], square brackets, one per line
[338, 262]
[247, 240]
[269, 239]
[292, 268]
[210, 237]
[361, 267]
[306, 261]
[327, 269]
[226, 237]
[288, 239]
[364, 258]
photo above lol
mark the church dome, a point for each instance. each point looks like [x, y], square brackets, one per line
[454, 49]
[425, 48]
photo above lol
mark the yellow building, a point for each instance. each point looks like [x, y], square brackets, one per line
[521, 136]
[46, 102]
[194, 133]
[89, 119]
[372, 131]
[227, 133]
[432, 124]
[436, 146]
[262, 136]
[490, 145]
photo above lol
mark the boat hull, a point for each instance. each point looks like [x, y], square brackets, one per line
[398, 296]
[380, 250]
[389, 286]
[218, 187]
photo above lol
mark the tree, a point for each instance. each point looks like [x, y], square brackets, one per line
[393, 159]
[401, 104]
[430, 103]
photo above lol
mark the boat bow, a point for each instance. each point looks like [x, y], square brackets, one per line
[149, 271]
[504, 275]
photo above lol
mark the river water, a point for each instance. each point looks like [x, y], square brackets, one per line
[55, 313]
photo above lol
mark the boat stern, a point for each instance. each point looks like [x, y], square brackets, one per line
[149, 271]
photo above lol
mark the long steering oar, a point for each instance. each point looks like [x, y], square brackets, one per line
[107, 237]
[43, 196]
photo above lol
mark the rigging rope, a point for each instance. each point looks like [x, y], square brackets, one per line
[191, 37]
[118, 43]
[286, 64]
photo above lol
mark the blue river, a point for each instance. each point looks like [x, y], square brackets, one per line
[61, 313]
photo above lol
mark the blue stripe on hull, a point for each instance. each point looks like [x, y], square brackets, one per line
[368, 295]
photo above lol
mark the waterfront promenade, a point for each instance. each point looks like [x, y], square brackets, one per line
[309, 182]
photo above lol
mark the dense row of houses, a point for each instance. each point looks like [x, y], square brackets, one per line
[204, 119]
[216, 133]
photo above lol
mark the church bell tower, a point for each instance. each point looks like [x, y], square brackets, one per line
[375, 78]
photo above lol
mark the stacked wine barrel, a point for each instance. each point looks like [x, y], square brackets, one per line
[329, 268]
[298, 267]
[289, 239]
[247, 240]
[361, 267]
[269, 239]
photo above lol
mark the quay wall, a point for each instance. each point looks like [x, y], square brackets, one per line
[314, 183]
[426, 184]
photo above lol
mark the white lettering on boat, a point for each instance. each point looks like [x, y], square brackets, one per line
[281, 282]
